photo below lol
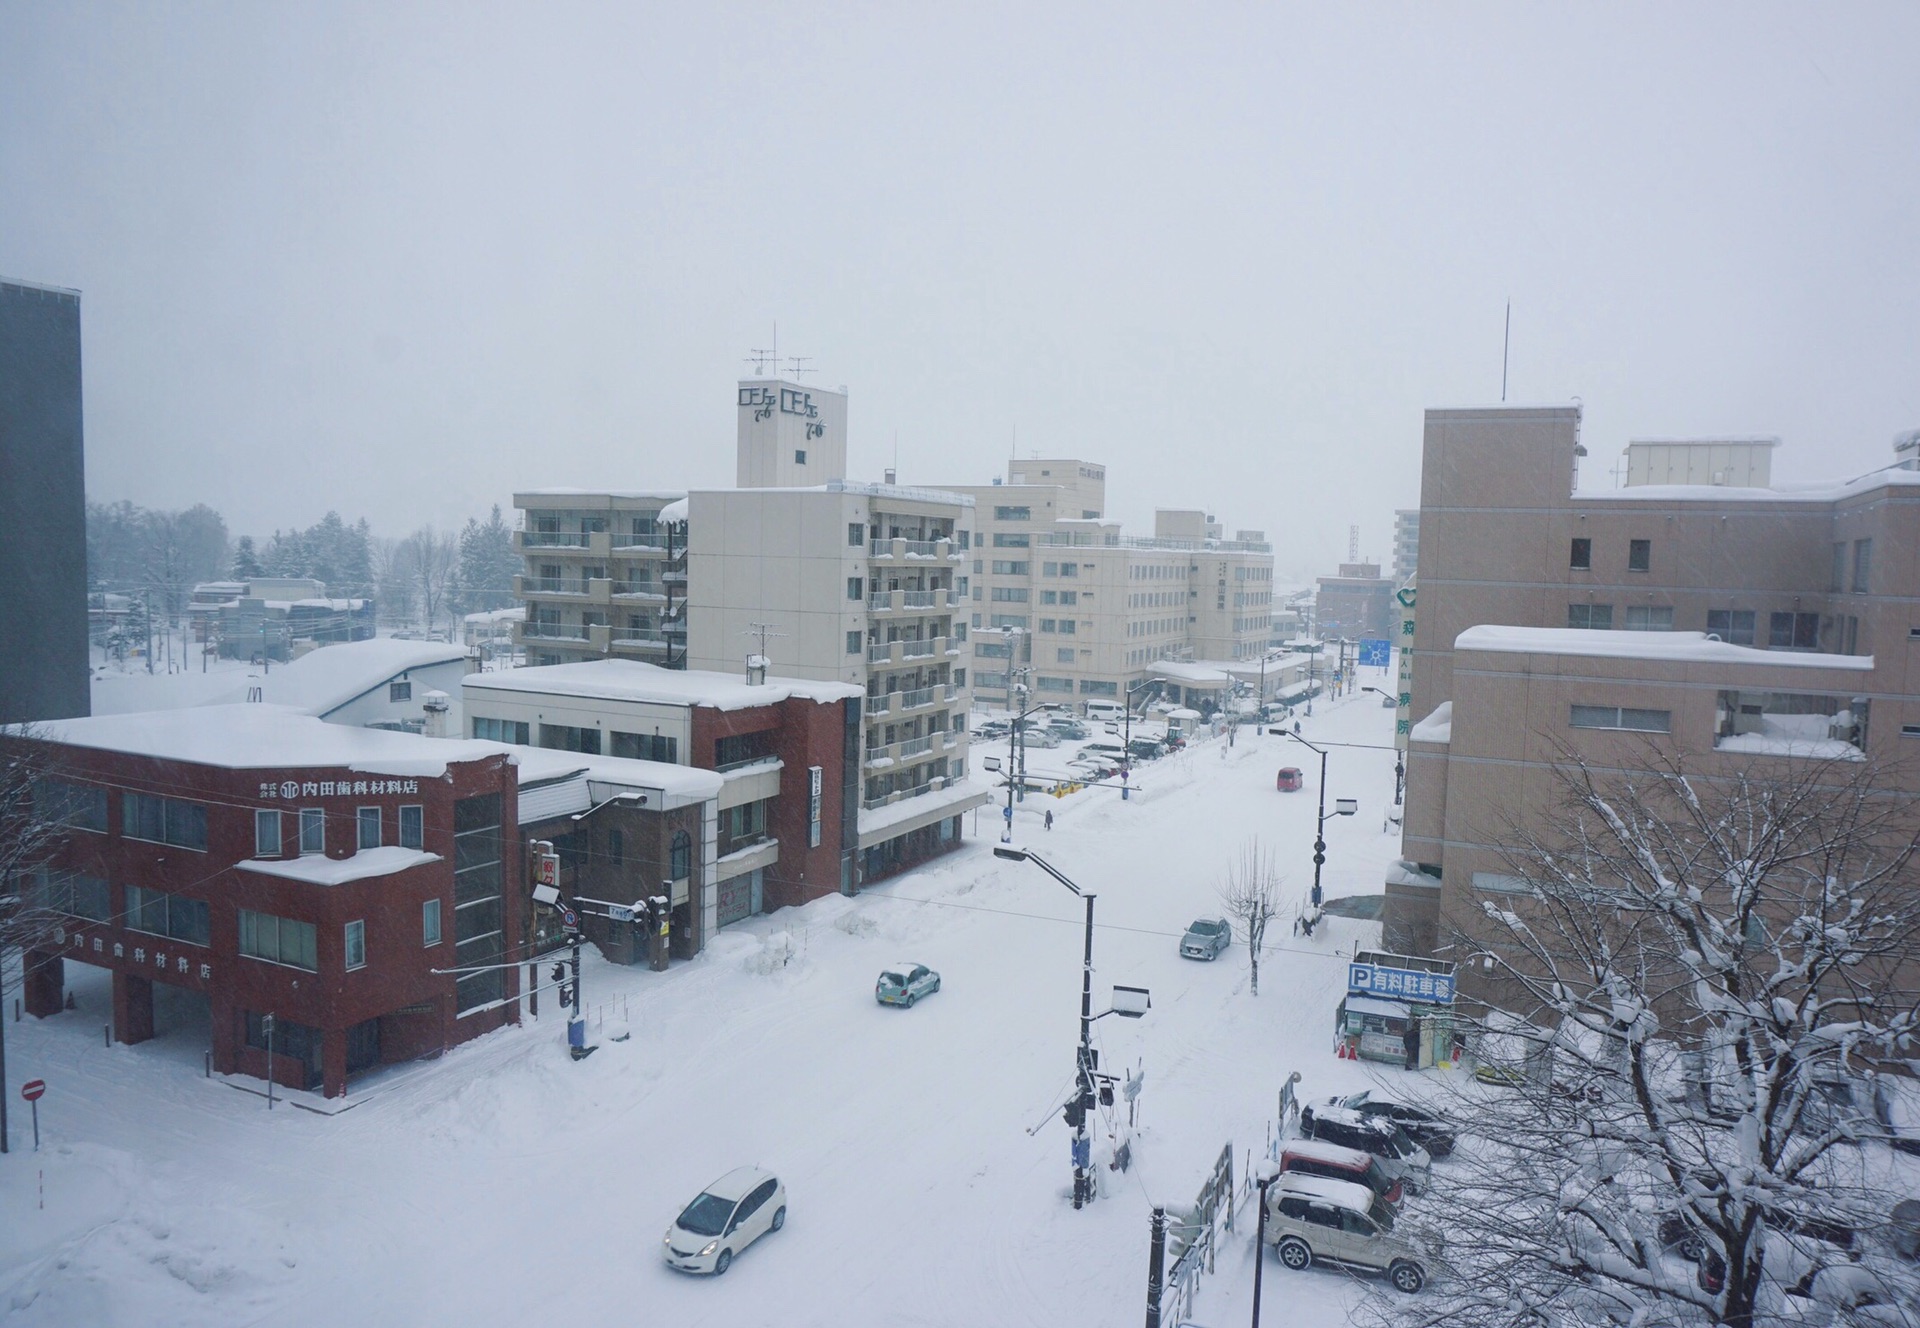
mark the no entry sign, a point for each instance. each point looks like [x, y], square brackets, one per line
[33, 1088]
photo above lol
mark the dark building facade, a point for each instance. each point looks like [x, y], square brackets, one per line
[43, 506]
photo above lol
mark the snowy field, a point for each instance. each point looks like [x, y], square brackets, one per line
[506, 1185]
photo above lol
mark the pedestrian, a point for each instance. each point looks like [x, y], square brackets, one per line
[1296, 726]
[1411, 1041]
[1049, 818]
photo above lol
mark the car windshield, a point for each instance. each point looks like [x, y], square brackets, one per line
[1377, 1178]
[1382, 1216]
[1403, 1144]
[707, 1215]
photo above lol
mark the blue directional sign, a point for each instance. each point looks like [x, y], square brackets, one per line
[1376, 654]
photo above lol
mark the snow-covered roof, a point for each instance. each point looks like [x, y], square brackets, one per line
[1322, 1151]
[1436, 727]
[538, 766]
[317, 870]
[675, 512]
[636, 680]
[1183, 671]
[1349, 1194]
[621, 494]
[328, 678]
[512, 614]
[1823, 492]
[249, 737]
[1680, 647]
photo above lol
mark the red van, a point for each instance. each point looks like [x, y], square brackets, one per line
[1317, 1158]
[1289, 780]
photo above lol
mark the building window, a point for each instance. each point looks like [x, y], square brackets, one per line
[1063, 655]
[278, 940]
[400, 690]
[1013, 514]
[680, 858]
[799, 456]
[1002, 567]
[856, 534]
[1837, 579]
[1047, 684]
[1010, 595]
[1070, 596]
[356, 946]
[1649, 618]
[367, 824]
[174, 916]
[1639, 555]
[1622, 717]
[853, 642]
[966, 538]
[1067, 626]
[313, 830]
[959, 678]
[1596, 617]
[616, 848]
[1069, 569]
[1049, 597]
[1019, 621]
[76, 806]
[741, 749]
[74, 893]
[1734, 626]
[163, 820]
[502, 730]
[1011, 542]
[1046, 624]
[646, 747]
[1793, 631]
[1499, 883]
[1862, 565]
[266, 834]
[430, 922]
[854, 585]
[1582, 557]
[568, 738]
[1094, 687]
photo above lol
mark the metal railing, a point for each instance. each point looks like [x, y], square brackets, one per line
[554, 539]
[879, 705]
[648, 589]
[554, 631]
[913, 700]
[913, 747]
[917, 649]
[918, 599]
[550, 585]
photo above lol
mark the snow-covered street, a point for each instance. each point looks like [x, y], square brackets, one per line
[506, 1185]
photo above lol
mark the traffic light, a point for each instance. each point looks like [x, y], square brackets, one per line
[1075, 1113]
[559, 973]
[1106, 1094]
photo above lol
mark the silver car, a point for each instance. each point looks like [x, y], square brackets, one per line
[1206, 938]
[1314, 1219]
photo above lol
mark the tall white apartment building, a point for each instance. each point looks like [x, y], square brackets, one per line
[799, 572]
[1086, 612]
[1406, 545]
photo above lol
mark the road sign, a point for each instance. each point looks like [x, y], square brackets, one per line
[569, 919]
[33, 1088]
[1375, 653]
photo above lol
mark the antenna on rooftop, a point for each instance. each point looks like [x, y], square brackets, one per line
[1506, 339]
[799, 363]
[759, 357]
[1353, 544]
[757, 662]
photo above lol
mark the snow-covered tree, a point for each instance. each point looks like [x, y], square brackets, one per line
[1251, 893]
[1690, 983]
[487, 564]
[246, 561]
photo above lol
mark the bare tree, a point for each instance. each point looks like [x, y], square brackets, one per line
[428, 560]
[1691, 981]
[1251, 894]
[32, 828]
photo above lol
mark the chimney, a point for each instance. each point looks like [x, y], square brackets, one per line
[756, 670]
[435, 706]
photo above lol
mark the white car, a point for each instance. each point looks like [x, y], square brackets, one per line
[728, 1216]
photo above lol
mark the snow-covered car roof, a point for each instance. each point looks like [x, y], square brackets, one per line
[1321, 1151]
[902, 969]
[1338, 1115]
[1342, 1193]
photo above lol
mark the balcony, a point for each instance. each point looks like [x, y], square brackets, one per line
[641, 643]
[639, 590]
[542, 631]
[895, 652]
[913, 548]
[916, 700]
[913, 747]
[880, 705]
[552, 539]
[917, 649]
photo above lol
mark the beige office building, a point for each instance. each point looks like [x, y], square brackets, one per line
[1718, 619]
[1062, 598]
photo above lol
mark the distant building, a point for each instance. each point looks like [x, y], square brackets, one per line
[275, 618]
[378, 684]
[1406, 545]
[1356, 604]
[43, 506]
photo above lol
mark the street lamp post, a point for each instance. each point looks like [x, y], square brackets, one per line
[1345, 807]
[1269, 1173]
[1084, 1098]
[1126, 736]
[1399, 758]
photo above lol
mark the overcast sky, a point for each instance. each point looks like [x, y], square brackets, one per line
[404, 260]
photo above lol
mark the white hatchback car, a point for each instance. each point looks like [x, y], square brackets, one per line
[728, 1216]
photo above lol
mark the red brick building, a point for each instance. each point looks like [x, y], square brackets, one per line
[339, 879]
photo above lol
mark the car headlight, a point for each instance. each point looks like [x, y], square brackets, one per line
[709, 1248]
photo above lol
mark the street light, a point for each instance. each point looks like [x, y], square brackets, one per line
[1126, 737]
[1132, 1005]
[1399, 760]
[1341, 807]
[1269, 1172]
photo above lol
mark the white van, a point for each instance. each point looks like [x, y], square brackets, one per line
[1104, 710]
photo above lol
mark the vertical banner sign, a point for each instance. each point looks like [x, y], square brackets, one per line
[1403, 718]
[813, 806]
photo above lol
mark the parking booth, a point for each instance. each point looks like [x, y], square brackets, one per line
[1398, 1010]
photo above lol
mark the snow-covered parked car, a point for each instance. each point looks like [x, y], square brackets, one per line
[729, 1215]
[1312, 1219]
[1206, 938]
[1399, 1155]
[1431, 1131]
[903, 984]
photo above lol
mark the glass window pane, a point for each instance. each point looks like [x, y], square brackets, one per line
[369, 824]
[412, 827]
[313, 830]
[266, 834]
[430, 922]
[356, 944]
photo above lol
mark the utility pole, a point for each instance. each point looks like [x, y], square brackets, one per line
[576, 1025]
[1157, 1263]
[1082, 1145]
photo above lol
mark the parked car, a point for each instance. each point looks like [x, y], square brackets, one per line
[1311, 1157]
[903, 984]
[1206, 938]
[1147, 749]
[1288, 780]
[1432, 1132]
[1039, 737]
[1071, 729]
[728, 1216]
[1313, 1219]
[1399, 1155]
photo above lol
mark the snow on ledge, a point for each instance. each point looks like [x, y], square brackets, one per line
[317, 870]
[1772, 744]
[1683, 647]
[1436, 727]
